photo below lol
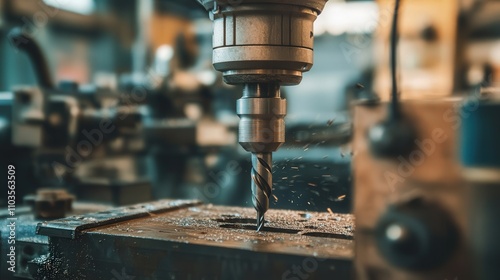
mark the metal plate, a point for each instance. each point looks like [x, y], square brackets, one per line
[194, 241]
[71, 227]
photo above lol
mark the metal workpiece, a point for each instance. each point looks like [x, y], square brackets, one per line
[72, 227]
[202, 242]
[263, 41]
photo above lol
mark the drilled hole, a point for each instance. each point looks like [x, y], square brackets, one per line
[328, 235]
[237, 221]
[305, 215]
[266, 229]
[229, 216]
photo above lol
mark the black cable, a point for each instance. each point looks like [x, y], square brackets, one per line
[395, 111]
[27, 44]
[395, 135]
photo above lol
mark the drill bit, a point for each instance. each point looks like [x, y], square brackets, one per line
[261, 131]
[262, 181]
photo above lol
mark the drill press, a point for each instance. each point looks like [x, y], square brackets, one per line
[262, 44]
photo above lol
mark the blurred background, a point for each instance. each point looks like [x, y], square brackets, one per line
[116, 102]
[122, 104]
[146, 67]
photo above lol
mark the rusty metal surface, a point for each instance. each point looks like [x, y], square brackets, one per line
[291, 232]
[204, 242]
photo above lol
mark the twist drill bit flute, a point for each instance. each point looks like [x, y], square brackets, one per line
[262, 179]
[262, 44]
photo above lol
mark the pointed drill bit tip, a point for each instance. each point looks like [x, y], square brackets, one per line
[260, 221]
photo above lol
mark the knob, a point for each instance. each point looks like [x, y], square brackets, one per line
[416, 235]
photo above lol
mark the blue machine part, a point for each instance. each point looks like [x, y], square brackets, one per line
[5, 118]
[480, 134]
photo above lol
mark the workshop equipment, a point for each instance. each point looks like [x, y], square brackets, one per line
[176, 239]
[28, 245]
[480, 157]
[50, 203]
[262, 45]
[430, 32]
[411, 213]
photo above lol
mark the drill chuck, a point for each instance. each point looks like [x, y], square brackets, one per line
[262, 114]
[261, 41]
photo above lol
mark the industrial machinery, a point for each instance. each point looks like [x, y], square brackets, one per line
[479, 155]
[425, 170]
[61, 125]
[262, 45]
